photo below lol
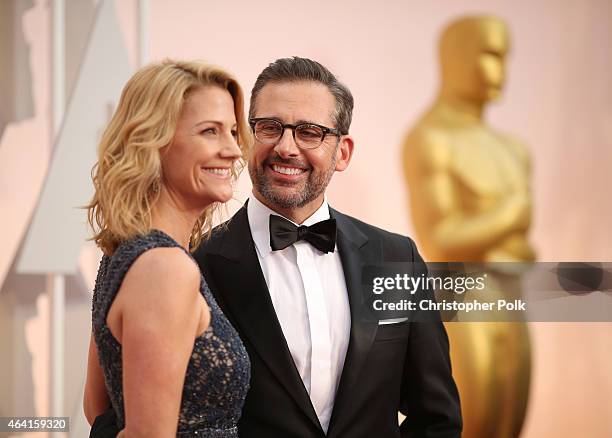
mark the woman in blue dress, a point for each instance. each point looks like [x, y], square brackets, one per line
[163, 356]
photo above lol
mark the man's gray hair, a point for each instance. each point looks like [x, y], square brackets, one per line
[298, 69]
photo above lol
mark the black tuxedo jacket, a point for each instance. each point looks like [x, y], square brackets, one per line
[389, 368]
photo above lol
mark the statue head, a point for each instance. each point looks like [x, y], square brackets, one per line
[472, 58]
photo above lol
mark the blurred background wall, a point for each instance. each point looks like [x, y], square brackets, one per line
[558, 100]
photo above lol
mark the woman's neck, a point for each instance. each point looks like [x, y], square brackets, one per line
[174, 218]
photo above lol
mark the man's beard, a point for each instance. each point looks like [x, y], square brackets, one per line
[315, 184]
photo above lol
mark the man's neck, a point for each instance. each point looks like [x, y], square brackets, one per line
[295, 214]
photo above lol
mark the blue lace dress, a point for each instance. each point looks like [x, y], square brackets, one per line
[218, 372]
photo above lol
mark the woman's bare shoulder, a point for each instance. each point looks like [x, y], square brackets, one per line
[160, 279]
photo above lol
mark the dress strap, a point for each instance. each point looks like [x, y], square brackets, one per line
[112, 269]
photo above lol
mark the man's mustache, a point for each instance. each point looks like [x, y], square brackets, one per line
[286, 161]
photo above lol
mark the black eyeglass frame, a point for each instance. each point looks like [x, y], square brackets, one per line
[326, 131]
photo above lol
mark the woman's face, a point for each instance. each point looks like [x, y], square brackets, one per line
[196, 166]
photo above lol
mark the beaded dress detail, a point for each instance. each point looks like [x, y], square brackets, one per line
[218, 372]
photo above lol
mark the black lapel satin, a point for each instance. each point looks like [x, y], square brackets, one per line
[355, 252]
[240, 282]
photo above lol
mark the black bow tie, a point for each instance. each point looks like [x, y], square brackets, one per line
[321, 235]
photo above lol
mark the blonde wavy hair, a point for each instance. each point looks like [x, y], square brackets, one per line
[127, 176]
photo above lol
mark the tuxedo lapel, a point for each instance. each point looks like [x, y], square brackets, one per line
[356, 250]
[241, 285]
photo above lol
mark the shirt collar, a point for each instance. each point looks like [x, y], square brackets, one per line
[259, 222]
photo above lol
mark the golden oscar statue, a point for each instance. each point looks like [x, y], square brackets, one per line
[470, 201]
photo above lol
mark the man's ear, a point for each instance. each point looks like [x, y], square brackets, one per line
[344, 152]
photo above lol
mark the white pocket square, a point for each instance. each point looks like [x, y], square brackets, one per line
[392, 321]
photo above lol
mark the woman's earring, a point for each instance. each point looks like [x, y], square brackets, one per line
[156, 186]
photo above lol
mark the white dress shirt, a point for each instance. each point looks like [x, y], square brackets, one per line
[310, 298]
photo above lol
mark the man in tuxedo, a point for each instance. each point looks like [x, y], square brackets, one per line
[286, 270]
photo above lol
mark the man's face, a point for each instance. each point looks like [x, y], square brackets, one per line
[284, 175]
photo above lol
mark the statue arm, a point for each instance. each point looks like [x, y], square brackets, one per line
[452, 231]
[457, 233]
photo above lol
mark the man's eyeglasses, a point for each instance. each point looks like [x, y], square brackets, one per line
[305, 135]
